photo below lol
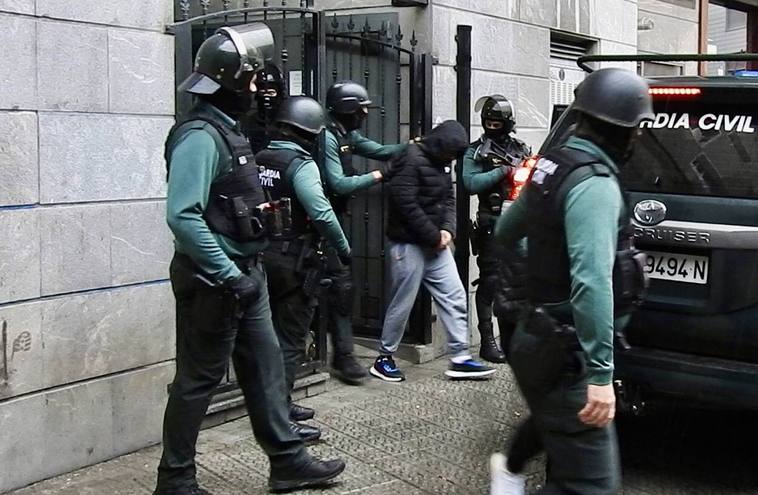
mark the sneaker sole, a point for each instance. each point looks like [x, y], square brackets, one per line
[469, 374]
[384, 377]
[286, 486]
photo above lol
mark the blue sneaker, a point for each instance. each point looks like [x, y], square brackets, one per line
[469, 369]
[385, 369]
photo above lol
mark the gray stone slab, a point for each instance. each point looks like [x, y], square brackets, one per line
[56, 431]
[667, 8]
[141, 243]
[141, 72]
[101, 157]
[78, 81]
[150, 14]
[669, 35]
[542, 12]
[615, 20]
[21, 325]
[530, 96]
[19, 255]
[18, 39]
[567, 15]
[18, 6]
[444, 35]
[19, 171]
[444, 78]
[75, 248]
[106, 332]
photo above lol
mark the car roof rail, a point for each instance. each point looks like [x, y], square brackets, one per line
[691, 57]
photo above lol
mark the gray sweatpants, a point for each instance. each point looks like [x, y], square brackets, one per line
[409, 267]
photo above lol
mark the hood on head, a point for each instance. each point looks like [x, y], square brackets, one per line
[446, 140]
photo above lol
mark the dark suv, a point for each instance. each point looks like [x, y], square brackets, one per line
[693, 192]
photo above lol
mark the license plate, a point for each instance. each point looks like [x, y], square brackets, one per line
[677, 267]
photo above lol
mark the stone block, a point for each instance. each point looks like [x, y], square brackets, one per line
[666, 8]
[443, 102]
[141, 72]
[615, 20]
[58, 431]
[75, 248]
[444, 35]
[101, 157]
[669, 35]
[611, 48]
[530, 96]
[496, 8]
[542, 12]
[19, 169]
[18, 39]
[21, 337]
[149, 14]
[77, 81]
[106, 332]
[141, 243]
[19, 255]
[17, 6]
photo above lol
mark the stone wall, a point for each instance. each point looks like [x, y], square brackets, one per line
[87, 337]
[674, 30]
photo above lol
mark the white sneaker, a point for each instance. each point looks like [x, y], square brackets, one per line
[502, 481]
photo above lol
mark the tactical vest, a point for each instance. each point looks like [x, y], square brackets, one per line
[272, 170]
[233, 196]
[549, 278]
[491, 200]
[340, 202]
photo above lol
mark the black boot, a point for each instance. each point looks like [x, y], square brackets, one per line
[307, 433]
[313, 474]
[489, 350]
[301, 413]
[347, 370]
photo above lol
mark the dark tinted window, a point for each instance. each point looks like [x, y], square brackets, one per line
[698, 146]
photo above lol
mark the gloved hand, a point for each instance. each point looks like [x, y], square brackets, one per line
[247, 288]
[508, 172]
[345, 259]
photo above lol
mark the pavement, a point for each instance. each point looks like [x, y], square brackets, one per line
[431, 435]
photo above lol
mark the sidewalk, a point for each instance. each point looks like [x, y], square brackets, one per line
[425, 435]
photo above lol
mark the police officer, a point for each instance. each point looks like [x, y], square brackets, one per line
[259, 121]
[290, 177]
[488, 166]
[347, 103]
[583, 280]
[222, 306]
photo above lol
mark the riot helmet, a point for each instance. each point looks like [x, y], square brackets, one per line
[269, 82]
[616, 96]
[498, 116]
[348, 102]
[228, 59]
[611, 104]
[301, 119]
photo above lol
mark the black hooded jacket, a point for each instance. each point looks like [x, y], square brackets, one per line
[421, 197]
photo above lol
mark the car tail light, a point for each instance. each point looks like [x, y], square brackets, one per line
[675, 91]
[521, 176]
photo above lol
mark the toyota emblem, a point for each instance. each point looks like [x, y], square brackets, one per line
[649, 212]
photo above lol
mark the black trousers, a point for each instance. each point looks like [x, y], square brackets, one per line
[582, 459]
[292, 313]
[490, 254]
[207, 335]
[340, 306]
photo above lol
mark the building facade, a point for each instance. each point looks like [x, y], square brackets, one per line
[86, 312]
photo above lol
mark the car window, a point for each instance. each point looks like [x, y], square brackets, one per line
[698, 147]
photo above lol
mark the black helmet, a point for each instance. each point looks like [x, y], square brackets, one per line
[346, 97]
[270, 77]
[302, 112]
[497, 108]
[229, 59]
[615, 96]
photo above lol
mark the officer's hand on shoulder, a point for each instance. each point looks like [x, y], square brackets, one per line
[247, 288]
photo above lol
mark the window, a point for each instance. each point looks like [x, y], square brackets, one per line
[735, 19]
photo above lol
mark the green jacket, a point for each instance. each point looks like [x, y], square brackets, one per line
[475, 179]
[591, 235]
[336, 181]
[196, 160]
[305, 179]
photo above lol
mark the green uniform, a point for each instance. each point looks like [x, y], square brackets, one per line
[208, 334]
[341, 181]
[583, 459]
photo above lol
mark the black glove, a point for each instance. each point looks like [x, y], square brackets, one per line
[247, 288]
[345, 259]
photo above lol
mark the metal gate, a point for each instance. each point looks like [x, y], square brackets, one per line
[314, 50]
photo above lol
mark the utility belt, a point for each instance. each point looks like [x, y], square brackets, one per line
[246, 266]
[305, 256]
[481, 229]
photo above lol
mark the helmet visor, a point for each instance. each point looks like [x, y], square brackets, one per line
[254, 43]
